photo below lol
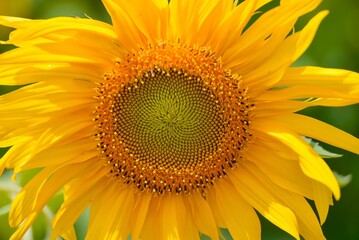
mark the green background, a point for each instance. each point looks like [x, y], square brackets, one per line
[336, 45]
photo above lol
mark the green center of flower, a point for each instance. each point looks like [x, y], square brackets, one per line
[170, 118]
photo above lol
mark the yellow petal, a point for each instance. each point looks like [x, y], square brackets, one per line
[305, 36]
[70, 234]
[258, 62]
[76, 151]
[44, 185]
[297, 92]
[322, 200]
[333, 102]
[201, 18]
[78, 196]
[172, 216]
[280, 149]
[202, 216]
[25, 202]
[55, 29]
[110, 212]
[319, 130]
[231, 26]
[241, 220]
[60, 40]
[149, 25]
[129, 34]
[261, 3]
[317, 76]
[312, 165]
[267, 109]
[174, 220]
[20, 156]
[148, 231]
[308, 224]
[140, 210]
[267, 204]
[20, 232]
[2, 166]
[216, 209]
[20, 74]
[337, 87]
[208, 16]
[269, 23]
[268, 72]
[284, 172]
[62, 53]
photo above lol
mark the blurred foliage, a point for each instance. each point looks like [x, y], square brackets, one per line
[336, 45]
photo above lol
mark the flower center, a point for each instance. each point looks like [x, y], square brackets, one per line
[171, 119]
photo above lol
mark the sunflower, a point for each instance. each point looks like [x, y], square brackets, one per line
[177, 120]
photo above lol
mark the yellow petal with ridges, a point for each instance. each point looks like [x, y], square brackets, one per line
[70, 234]
[308, 223]
[268, 23]
[317, 76]
[42, 187]
[151, 24]
[140, 210]
[268, 72]
[312, 165]
[149, 232]
[23, 152]
[21, 231]
[324, 132]
[41, 31]
[333, 87]
[70, 153]
[298, 92]
[265, 109]
[264, 52]
[208, 20]
[277, 146]
[18, 74]
[200, 19]
[241, 220]
[79, 197]
[267, 204]
[202, 210]
[231, 26]
[174, 218]
[130, 38]
[322, 200]
[110, 212]
[305, 36]
[261, 3]
[284, 172]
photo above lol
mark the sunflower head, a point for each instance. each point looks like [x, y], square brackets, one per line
[171, 127]
[171, 118]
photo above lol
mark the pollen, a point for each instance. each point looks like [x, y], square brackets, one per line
[171, 118]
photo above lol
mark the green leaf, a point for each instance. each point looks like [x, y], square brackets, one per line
[343, 180]
[320, 150]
